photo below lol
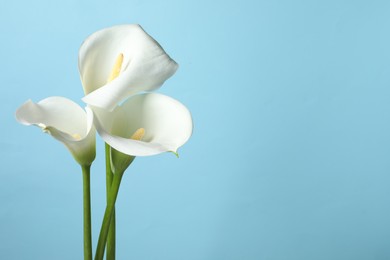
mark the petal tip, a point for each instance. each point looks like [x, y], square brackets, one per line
[175, 153]
[21, 113]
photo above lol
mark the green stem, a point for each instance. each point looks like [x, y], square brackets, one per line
[111, 233]
[108, 215]
[87, 212]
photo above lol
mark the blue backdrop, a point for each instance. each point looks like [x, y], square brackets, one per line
[290, 153]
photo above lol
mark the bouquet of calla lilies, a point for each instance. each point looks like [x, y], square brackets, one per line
[119, 68]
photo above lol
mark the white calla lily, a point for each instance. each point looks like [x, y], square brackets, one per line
[141, 62]
[66, 121]
[145, 124]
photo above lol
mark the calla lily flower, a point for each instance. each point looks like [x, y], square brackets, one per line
[141, 62]
[145, 124]
[66, 121]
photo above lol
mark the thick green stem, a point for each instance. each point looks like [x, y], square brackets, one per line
[110, 255]
[108, 215]
[87, 212]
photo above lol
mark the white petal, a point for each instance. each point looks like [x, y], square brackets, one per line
[64, 120]
[167, 124]
[145, 67]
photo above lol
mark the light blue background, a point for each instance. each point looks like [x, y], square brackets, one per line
[290, 157]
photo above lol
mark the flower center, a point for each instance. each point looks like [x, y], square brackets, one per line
[76, 136]
[116, 70]
[138, 135]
